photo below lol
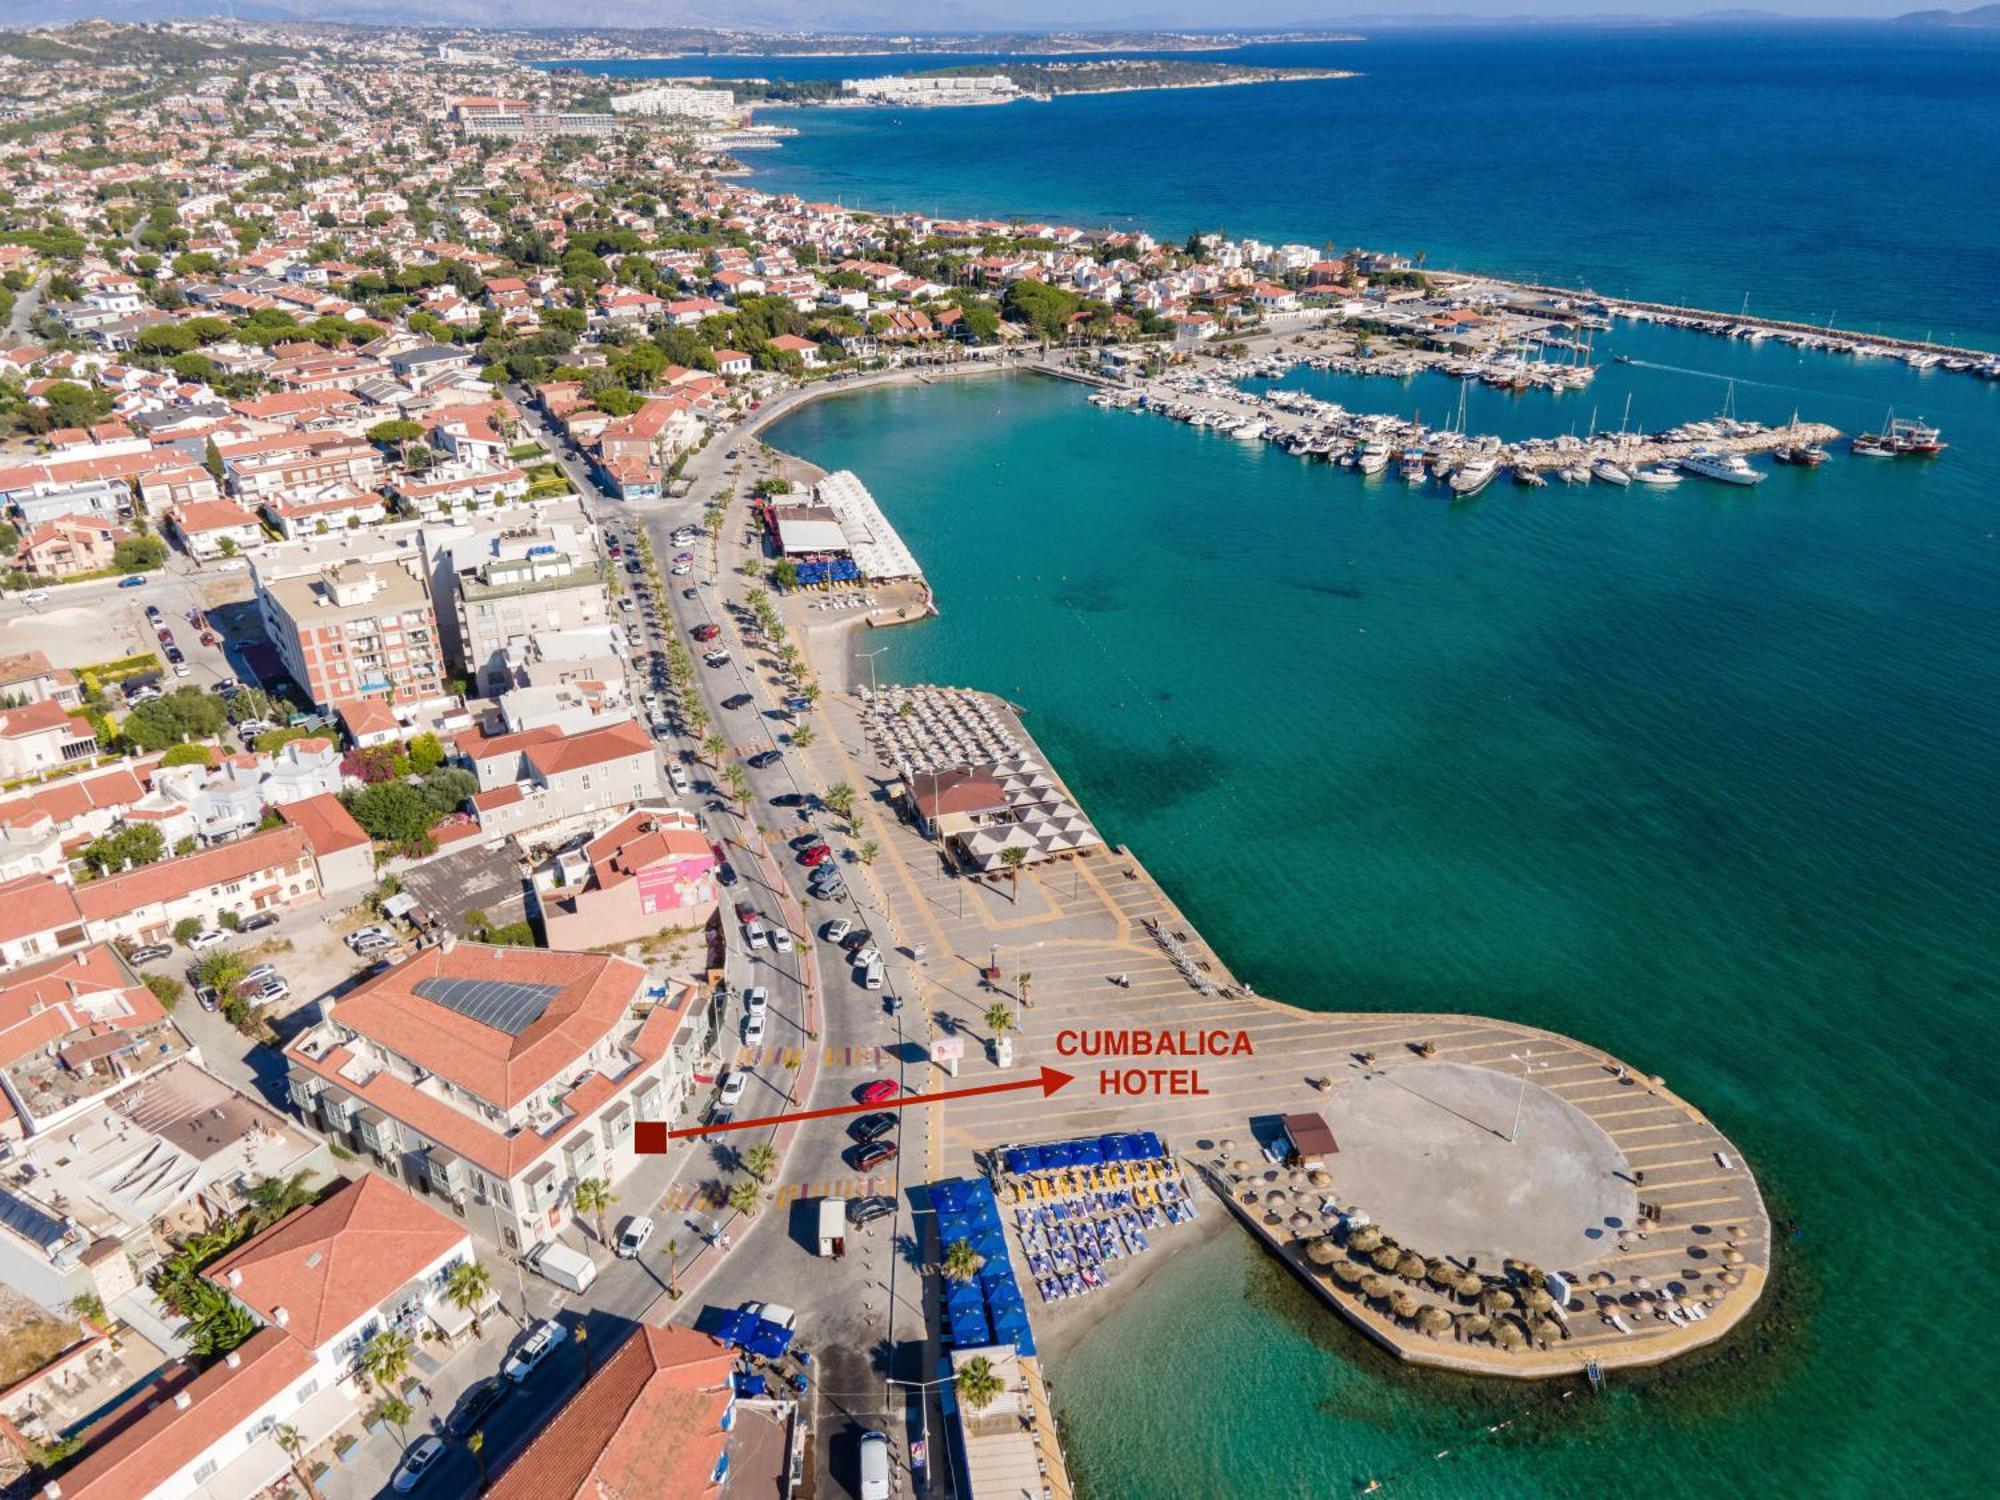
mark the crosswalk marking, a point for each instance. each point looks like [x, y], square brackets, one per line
[749, 1059]
[869, 1059]
[843, 1187]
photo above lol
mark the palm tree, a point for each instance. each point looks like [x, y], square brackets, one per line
[476, 1446]
[715, 747]
[999, 1019]
[593, 1196]
[673, 1268]
[293, 1442]
[802, 737]
[761, 1160]
[583, 1346]
[739, 783]
[867, 852]
[978, 1383]
[385, 1358]
[466, 1287]
[745, 1197]
[840, 800]
[810, 692]
[271, 1198]
[961, 1261]
[1013, 857]
[396, 1412]
[1021, 982]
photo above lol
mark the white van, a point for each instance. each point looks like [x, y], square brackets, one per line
[564, 1266]
[874, 1466]
[871, 977]
[833, 1227]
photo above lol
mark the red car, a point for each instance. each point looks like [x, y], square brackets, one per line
[745, 912]
[872, 1155]
[707, 632]
[819, 854]
[208, 638]
[881, 1089]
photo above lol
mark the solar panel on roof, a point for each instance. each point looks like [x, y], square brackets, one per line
[504, 1004]
[30, 1222]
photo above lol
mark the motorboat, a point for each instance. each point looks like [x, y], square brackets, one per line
[1609, 473]
[1660, 476]
[1724, 468]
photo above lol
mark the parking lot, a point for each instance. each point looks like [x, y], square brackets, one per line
[84, 624]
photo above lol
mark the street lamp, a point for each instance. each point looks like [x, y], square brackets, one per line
[873, 685]
[924, 1408]
[1525, 1058]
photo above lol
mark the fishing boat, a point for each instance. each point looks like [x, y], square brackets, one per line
[1412, 467]
[1725, 468]
[1870, 445]
[1803, 455]
[1915, 438]
[1530, 476]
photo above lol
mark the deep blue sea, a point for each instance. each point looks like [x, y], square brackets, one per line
[1709, 776]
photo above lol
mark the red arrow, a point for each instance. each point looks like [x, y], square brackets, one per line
[650, 1137]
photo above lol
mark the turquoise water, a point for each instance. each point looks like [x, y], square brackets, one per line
[1708, 777]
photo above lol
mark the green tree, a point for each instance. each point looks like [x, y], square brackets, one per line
[802, 738]
[133, 845]
[186, 929]
[166, 989]
[397, 1413]
[138, 554]
[745, 1197]
[385, 1359]
[426, 753]
[466, 1287]
[868, 851]
[739, 782]
[271, 1198]
[761, 1160]
[999, 1019]
[593, 1197]
[292, 1443]
[1013, 857]
[840, 800]
[715, 747]
[187, 755]
[978, 1383]
[961, 1261]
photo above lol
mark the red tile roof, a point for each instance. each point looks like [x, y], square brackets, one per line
[172, 879]
[36, 903]
[593, 747]
[328, 826]
[331, 1263]
[647, 1422]
[594, 995]
[138, 1447]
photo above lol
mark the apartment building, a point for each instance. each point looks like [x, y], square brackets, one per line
[651, 870]
[261, 469]
[355, 631]
[499, 1078]
[42, 737]
[319, 1284]
[545, 778]
[511, 578]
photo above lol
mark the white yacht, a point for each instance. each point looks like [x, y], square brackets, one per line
[1607, 472]
[1728, 468]
[1472, 476]
[1661, 476]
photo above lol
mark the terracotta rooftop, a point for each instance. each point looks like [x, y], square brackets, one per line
[332, 1262]
[171, 879]
[327, 825]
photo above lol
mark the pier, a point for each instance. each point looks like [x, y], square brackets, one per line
[1496, 1152]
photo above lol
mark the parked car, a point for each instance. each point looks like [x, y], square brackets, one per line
[369, 933]
[879, 1090]
[539, 1346]
[632, 1238]
[418, 1464]
[135, 581]
[756, 935]
[202, 941]
[745, 912]
[36, 596]
[717, 658]
[707, 631]
[680, 570]
[867, 1158]
[733, 1085]
[476, 1404]
[773, 1312]
[153, 612]
[863, 957]
[270, 992]
[753, 1030]
[368, 945]
[874, 1459]
[781, 939]
[756, 999]
[819, 854]
[152, 953]
[725, 874]
[805, 841]
[737, 700]
[204, 997]
[837, 929]
[867, 1210]
[857, 939]
[788, 799]
[873, 1127]
[258, 975]
[258, 921]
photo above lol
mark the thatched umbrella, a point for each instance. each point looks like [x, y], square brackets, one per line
[1386, 1257]
[1735, 1232]
[1508, 1335]
[1602, 1278]
[1322, 1252]
[1376, 1288]
[1239, 1167]
[1412, 1266]
[1494, 1301]
[1403, 1303]
[1346, 1272]
[1729, 1278]
[1442, 1274]
[1709, 1289]
[1474, 1325]
[1320, 1178]
[1227, 1148]
[1537, 1300]
[1655, 1081]
[1470, 1285]
[1248, 1197]
[1272, 1216]
[1432, 1320]
[1277, 1195]
[1641, 1284]
[1365, 1239]
[1732, 1257]
[1546, 1330]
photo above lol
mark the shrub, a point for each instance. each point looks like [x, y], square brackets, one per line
[166, 989]
[186, 929]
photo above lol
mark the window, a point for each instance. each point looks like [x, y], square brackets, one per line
[205, 1471]
[258, 1428]
[308, 1390]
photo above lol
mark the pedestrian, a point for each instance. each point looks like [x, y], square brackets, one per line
[725, 1242]
[426, 1391]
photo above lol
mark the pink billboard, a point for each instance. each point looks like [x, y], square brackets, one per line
[677, 883]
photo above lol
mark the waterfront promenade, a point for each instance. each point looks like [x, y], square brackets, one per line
[1421, 1104]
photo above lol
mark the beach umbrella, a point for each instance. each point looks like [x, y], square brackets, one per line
[1228, 1148]
[1442, 1274]
[1240, 1167]
[1376, 1288]
[1473, 1325]
[1469, 1285]
[1546, 1331]
[1509, 1336]
[1403, 1303]
[1346, 1272]
[1537, 1300]
[1728, 1278]
[1732, 1257]
[1708, 1289]
[1432, 1321]
[1736, 1232]
[1494, 1300]
[1386, 1257]
[1411, 1267]
[1302, 1220]
[1655, 1081]
[1602, 1278]
[1249, 1197]
[1364, 1239]
[1322, 1252]
[1320, 1178]
[1641, 1284]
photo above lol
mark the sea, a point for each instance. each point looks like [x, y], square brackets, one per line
[1705, 776]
